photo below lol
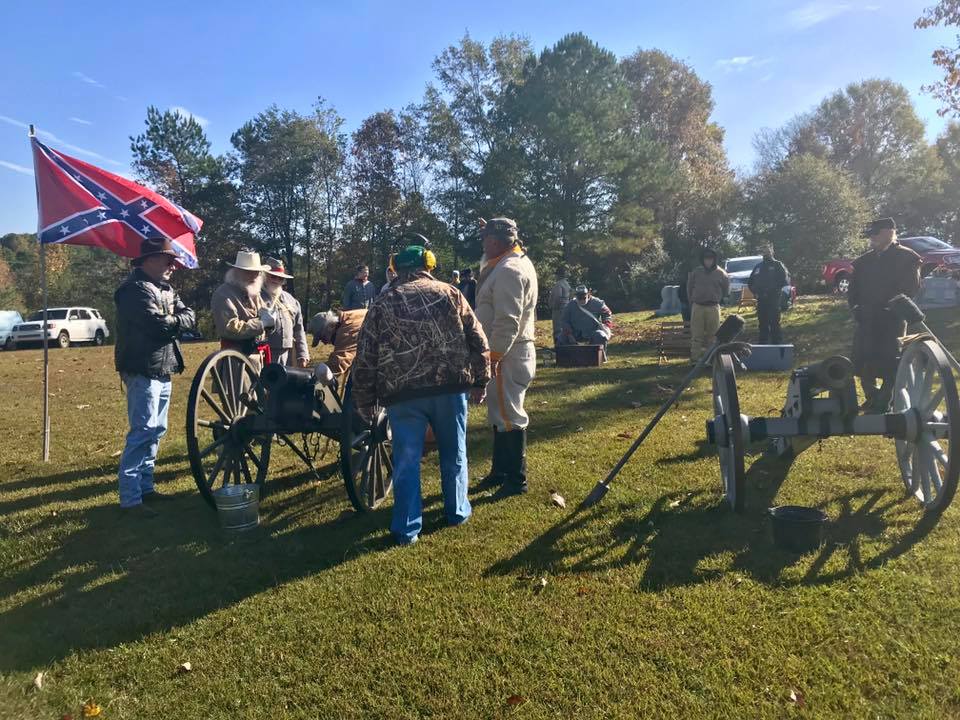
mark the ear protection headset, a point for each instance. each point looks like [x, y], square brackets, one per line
[429, 259]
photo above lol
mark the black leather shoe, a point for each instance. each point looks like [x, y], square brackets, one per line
[157, 496]
[141, 512]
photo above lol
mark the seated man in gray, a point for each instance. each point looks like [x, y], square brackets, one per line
[586, 319]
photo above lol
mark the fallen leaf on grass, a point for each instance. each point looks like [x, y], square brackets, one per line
[625, 436]
[557, 499]
[540, 584]
[636, 405]
[184, 668]
[515, 700]
[675, 503]
[118, 453]
[38, 681]
[82, 407]
[581, 591]
[796, 697]
[580, 429]
[91, 709]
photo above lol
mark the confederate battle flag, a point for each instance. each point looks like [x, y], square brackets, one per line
[80, 204]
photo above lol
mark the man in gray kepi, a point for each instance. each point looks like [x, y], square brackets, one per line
[586, 319]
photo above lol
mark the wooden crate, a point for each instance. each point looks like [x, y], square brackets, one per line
[674, 340]
[579, 355]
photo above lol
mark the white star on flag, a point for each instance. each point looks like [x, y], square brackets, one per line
[79, 179]
[124, 213]
[143, 203]
[64, 229]
[102, 195]
[102, 215]
[145, 229]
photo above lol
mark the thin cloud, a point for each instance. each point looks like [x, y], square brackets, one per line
[81, 121]
[87, 79]
[180, 110]
[16, 168]
[740, 63]
[62, 144]
[814, 13]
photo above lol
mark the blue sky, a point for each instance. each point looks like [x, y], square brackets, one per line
[84, 73]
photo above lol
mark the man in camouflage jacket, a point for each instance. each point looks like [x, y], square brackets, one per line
[421, 349]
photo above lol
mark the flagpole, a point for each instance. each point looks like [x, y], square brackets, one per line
[46, 344]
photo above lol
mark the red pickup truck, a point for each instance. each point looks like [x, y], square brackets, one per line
[935, 254]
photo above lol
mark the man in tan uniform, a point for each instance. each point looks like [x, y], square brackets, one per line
[707, 285]
[238, 309]
[340, 329]
[506, 304]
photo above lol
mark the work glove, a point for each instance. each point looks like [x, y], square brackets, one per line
[266, 318]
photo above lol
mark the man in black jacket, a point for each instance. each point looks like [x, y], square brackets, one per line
[150, 319]
[766, 283]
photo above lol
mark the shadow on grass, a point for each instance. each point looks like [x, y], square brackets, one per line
[112, 578]
[689, 538]
[51, 483]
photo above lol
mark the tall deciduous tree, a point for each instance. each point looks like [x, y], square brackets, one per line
[809, 210]
[945, 12]
[871, 130]
[673, 105]
[173, 156]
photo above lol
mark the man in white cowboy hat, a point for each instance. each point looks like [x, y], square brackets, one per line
[340, 329]
[288, 341]
[238, 310]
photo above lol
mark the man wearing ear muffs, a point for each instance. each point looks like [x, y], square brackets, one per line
[421, 351]
[506, 306]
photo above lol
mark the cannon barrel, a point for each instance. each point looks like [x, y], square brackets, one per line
[275, 375]
[834, 373]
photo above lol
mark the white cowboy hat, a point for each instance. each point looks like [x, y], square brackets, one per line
[249, 261]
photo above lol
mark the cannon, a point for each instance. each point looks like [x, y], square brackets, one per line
[822, 402]
[236, 413]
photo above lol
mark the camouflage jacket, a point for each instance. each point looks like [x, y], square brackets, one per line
[420, 338]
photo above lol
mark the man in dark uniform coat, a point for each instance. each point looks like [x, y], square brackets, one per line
[766, 283]
[886, 270]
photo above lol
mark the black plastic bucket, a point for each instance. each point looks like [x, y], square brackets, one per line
[797, 528]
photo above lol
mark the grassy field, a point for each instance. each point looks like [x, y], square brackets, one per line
[657, 603]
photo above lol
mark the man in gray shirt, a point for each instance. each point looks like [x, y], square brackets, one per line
[359, 292]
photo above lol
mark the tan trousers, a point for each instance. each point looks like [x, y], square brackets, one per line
[506, 391]
[704, 321]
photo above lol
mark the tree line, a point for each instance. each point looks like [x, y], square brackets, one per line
[612, 167]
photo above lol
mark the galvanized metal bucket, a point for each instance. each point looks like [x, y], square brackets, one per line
[238, 506]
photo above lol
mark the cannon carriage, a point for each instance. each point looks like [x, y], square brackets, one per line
[236, 413]
[821, 402]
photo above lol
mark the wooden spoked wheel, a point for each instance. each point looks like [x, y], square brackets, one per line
[926, 394]
[728, 426]
[366, 460]
[224, 396]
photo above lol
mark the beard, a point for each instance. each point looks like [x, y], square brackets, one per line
[252, 287]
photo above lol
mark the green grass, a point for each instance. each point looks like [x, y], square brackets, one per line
[659, 602]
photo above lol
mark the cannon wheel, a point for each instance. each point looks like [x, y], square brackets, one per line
[224, 390]
[366, 460]
[726, 408]
[926, 392]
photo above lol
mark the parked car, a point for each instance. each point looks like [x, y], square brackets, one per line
[8, 318]
[739, 270]
[935, 254]
[65, 325]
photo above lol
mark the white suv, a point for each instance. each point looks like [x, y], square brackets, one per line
[65, 325]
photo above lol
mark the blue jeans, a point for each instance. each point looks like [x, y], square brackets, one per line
[447, 415]
[148, 402]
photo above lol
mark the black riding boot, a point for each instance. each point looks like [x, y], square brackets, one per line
[516, 457]
[498, 469]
